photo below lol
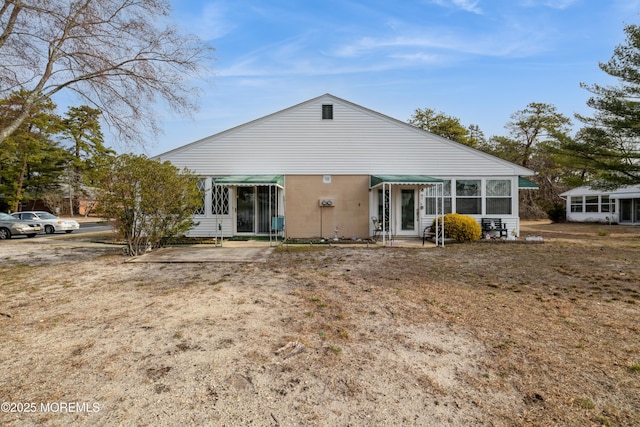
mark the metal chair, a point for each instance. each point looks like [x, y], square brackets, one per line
[377, 227]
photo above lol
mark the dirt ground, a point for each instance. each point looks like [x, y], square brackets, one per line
[481, 334]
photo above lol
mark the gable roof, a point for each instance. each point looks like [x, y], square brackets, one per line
[357, 140]
[631, 191]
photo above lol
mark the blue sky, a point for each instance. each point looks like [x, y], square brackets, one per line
[478, 60]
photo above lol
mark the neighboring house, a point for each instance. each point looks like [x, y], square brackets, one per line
[585, 204]
[326, 166]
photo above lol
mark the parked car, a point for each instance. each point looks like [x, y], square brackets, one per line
[10, 226]
[50, 222]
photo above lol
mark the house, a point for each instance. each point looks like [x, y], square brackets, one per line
[586, 204]
[326, 167]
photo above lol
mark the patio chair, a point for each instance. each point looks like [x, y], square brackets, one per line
[377, 227]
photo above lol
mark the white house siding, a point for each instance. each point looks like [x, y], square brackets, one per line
[357, 141]
[512, 221]
[583, 199]
[208, 227]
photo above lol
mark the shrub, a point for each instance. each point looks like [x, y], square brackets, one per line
[460, 228]
[149, 201]
[557, 213]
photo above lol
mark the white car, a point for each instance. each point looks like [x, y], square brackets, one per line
[50, 223]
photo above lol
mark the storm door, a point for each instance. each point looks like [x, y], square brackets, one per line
[408, 210]
[266, 208]
[626, 210]
[245, 209]
[255, 206]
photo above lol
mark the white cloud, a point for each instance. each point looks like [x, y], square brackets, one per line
[553, 4]
[210, 22]
[466, 5]
[501, 43]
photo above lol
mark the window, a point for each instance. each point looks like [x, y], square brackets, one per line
[220, 200]
[498, 197]
[202, 185]
[605, 205]
[576, 204]
[431, 195]
[327, 112]
[468, 196]
[591, 204]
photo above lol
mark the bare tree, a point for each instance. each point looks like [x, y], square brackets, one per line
[120, 56]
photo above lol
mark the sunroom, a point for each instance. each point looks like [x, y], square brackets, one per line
[239, 205]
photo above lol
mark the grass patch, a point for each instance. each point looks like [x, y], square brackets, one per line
[585, 403]
[334, 349]
[301, 248]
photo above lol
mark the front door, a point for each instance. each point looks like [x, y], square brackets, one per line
[245, 209]
[408, 217]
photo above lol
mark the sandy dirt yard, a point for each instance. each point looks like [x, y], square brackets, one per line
[482, 334]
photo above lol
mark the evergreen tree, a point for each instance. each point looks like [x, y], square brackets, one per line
[81, 128]
[608, 146]
[30, 160]
[446, 126]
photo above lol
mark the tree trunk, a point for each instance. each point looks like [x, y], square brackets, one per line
[20, 184]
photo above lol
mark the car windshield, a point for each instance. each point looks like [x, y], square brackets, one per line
[46, 215]
[5, 217]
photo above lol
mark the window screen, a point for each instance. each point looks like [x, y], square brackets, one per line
[468, 197]
[498, 197]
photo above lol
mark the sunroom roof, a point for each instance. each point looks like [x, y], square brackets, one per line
[246, 180]
[525, 184]
[376, 180]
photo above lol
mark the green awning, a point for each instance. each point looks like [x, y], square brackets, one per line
[525, 184]
[376, 180]
[250, 180]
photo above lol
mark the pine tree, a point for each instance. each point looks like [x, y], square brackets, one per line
[608, 146]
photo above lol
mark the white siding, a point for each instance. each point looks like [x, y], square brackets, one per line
[208, 227]
[356, 141]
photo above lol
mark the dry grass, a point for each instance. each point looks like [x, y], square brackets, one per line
[472, 334]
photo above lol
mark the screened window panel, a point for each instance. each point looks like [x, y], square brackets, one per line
[498, 206]
[468, 188]
[498, 200]
[576, 204]
[432, 190]
[498, 188]
[591, 204]
[430, 205]
[468, 200]
[220, 200]
[431, 194]
[201, 187]
[469, 205]
[605, 204]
